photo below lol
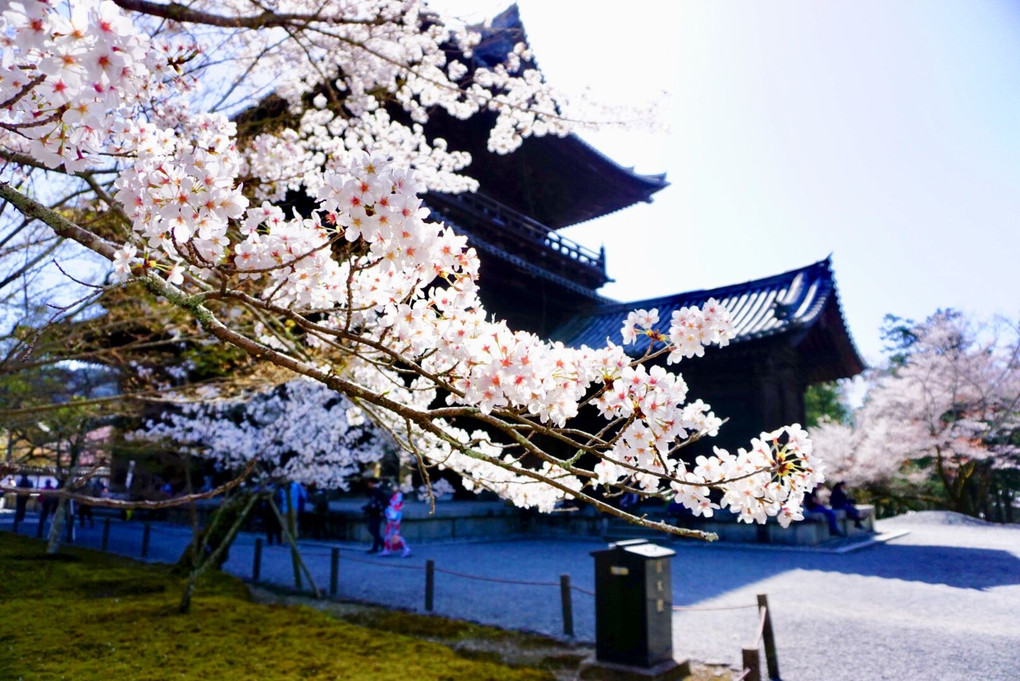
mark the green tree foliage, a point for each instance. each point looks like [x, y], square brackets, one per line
[825, 401]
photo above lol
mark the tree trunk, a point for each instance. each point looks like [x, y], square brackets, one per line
[294, 553]
[56, 528]
[217, 533]
[205, 555]
[60, 515]
[291, 526]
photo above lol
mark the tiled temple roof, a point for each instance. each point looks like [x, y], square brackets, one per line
[793, 301]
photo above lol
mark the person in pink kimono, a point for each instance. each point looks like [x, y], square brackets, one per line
[393, 541]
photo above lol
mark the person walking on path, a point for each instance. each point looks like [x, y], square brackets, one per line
[47, 504]
[394, 514]
[270, 522]
[318, 519]
[291, 498]
[21, 503]
[85, 510]
[374, 510]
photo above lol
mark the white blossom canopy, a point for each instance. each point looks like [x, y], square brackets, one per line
[361, 293]
[299, 431]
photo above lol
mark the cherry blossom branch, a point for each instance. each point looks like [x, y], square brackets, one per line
[61, 225]
[184, 14]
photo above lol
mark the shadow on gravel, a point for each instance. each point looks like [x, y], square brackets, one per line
[701, 574]
[963, 568]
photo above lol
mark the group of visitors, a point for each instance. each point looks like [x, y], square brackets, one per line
[289, 500]
[21, 502]
[838, 501]
[48, 503]
[306, 509]
[391, 508]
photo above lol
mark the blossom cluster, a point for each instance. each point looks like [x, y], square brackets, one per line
[72, 73]
[181, 191]
[769, 479]
[690, 331]
[69, 81]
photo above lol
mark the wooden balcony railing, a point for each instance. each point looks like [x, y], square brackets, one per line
[477, 212]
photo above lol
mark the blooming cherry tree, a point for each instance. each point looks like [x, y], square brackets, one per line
[299, 431]
[951, 408]
[360, 293]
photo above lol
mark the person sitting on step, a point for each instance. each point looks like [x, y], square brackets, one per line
[839, 500]
[813, 504]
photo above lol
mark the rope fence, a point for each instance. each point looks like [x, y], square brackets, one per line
[566, 589]
[710, 608]
[335, 556]
[497, 580]
[750, 655]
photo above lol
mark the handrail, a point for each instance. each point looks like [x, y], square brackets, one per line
[484, 207]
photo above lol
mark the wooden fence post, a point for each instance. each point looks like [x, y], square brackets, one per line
[145, 540]
[334, 571]
[568, 606]
[256, 561]
[751, 664]
[430, 583]
[771, 659]
[17, 522]
[106, 535]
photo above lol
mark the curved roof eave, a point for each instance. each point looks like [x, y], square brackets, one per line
[498, 38]
[784, 303]
[654, 183]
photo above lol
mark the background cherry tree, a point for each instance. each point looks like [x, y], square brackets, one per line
[300, 430]
[120, 108]
[947, 409]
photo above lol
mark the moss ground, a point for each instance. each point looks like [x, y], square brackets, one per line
[84, 615]
[518, 649]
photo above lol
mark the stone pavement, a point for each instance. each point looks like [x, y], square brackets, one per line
[938, 603]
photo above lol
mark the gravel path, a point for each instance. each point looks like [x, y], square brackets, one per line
[942, 602]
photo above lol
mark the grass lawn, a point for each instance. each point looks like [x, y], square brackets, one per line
[83, 615]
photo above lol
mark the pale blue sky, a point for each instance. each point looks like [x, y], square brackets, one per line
[885, 133]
